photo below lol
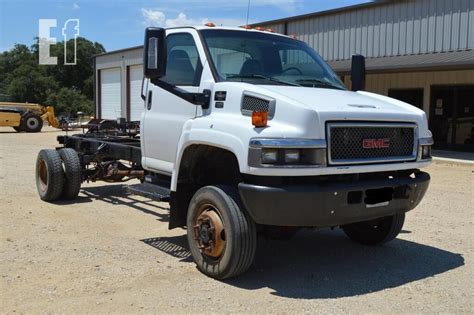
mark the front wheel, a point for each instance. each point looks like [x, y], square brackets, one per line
[32, 123]
[222, 237]
[376, 231]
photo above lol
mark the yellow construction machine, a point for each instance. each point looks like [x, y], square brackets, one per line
[26, 116]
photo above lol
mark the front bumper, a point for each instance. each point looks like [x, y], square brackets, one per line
[332, 204]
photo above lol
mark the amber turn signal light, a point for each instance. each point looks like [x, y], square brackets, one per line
[259, 119]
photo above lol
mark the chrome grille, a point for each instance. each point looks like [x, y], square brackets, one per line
[370, 143]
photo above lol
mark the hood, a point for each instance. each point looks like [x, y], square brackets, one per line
[342, 105]
[346, 102]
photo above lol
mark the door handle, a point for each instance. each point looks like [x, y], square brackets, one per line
[148, 104]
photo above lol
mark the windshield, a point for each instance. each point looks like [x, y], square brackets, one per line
[263, 58]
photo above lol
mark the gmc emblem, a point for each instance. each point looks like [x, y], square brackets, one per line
[376, 143]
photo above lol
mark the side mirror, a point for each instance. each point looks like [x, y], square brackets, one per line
[358, 73]
[154, 55]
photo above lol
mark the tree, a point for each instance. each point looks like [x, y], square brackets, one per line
[76, 76]
[67, 87]
[31, 84]
[11, 60]
[69, 101]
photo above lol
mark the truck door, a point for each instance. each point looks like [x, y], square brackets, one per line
[166, 113]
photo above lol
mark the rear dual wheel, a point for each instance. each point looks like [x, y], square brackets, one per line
[58, 174]
[49, 175]
[222, 237]
[72, 172]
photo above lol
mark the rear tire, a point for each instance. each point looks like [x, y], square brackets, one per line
[18, 129]
[374, 232]
[73, 173]
[31, 123]
[231, 251]
[49, 175]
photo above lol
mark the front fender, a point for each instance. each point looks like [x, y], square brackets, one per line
[211, 137]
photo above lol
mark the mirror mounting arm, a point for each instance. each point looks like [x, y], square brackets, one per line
[201, 99]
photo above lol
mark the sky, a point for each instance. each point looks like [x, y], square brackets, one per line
[120, 24]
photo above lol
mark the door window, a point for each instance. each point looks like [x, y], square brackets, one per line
[183, 66]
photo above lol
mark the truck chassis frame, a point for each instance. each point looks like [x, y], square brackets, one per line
[104, 150]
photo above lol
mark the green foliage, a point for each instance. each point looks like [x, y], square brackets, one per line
[30, 84]
[69, 101]
[69, 88]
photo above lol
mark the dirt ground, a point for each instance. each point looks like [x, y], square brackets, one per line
[110, 252]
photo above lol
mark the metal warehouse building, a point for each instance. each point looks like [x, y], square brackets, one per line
[419, 51]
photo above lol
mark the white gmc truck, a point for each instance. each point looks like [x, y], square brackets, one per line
[247, 132]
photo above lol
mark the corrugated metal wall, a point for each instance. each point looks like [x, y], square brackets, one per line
[396, 28]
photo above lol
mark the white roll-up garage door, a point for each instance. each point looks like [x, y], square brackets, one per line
[110, 93]
[136, 102]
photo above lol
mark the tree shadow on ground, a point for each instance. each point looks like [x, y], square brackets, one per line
[326, 264]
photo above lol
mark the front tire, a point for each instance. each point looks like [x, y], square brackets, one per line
[222, 237]
[375, 232]
[32, 123]
[49, 175]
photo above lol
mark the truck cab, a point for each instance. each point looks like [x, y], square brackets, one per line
[248, 132]
[259, 118]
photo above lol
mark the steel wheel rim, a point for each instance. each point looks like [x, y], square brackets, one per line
[209, 232]
[43, 175]
[32, 122]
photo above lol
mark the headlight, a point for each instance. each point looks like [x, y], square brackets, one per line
[292, 156]
[287, 153]
[269, 156]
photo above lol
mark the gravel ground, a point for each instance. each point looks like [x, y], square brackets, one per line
[110, 252]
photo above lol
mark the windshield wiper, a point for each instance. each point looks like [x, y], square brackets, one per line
[259, 76]
[316, 82]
